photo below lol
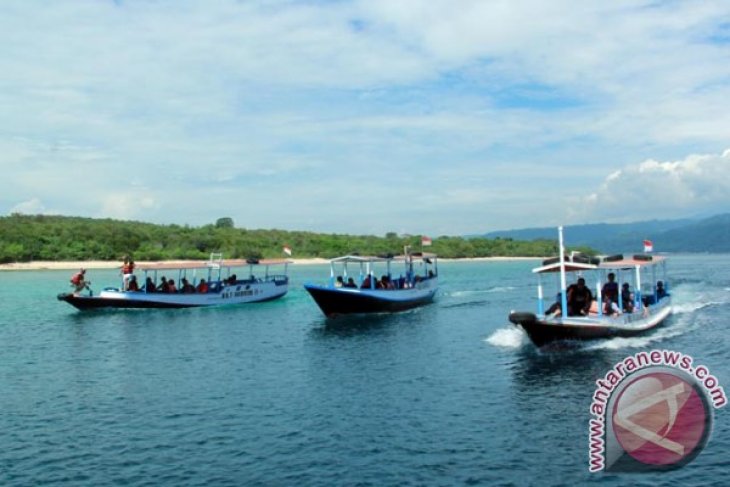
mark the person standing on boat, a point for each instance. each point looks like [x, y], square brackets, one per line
[127, 271]
[78, 281]
[579, 299]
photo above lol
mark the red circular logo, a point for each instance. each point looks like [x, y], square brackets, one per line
[660, 419]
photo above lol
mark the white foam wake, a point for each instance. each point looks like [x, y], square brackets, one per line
[475, 292]
[510, 337]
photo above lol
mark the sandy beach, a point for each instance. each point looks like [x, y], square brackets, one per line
[102, 264]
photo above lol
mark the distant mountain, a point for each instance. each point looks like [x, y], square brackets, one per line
[685, 235]
[708, 235]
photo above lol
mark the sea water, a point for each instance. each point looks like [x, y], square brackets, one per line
[276, 394]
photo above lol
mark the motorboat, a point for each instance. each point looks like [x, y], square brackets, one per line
[197, 283]
[407, 281]
[646, 305]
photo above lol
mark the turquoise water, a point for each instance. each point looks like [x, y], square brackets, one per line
[275, 394]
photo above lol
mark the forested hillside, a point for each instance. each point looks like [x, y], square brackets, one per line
[26, 238]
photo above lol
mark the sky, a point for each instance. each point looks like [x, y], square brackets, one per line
[434, 117]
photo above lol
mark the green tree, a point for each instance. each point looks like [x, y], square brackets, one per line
[225, 222]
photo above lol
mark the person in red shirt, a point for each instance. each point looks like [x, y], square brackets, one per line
[202, 287]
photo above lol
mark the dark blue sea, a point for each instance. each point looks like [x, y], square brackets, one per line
[275, 394]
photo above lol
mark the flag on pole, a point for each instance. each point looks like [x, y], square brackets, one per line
[648, 246]
[287, 250]
[426, 241]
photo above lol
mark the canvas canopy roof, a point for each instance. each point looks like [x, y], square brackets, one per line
[200, 264]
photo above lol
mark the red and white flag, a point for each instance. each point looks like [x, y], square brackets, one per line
[648, 246]
[287, 250]
[426, 241]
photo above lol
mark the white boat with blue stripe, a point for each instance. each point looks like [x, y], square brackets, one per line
[640, 300]
[407, 281]
[196, 284]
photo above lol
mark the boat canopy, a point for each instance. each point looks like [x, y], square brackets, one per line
[621, 263]
[210, 264]
[569, 267]
[381, 258]
[632, 262]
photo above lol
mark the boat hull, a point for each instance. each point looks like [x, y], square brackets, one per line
[342, 301]
[230, 295]
[543, 331]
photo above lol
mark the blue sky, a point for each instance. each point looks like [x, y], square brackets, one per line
[433, 116]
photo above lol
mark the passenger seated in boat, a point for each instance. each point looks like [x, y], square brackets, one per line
[149, 285]
[171, 287]
[367, 282]
[186, 288]
[350, 283]
[627, 298]
[579, 299]
[654, 299]
[132, 284]
[555, 308]
[202, 287]
[386, 283]
[339, 282]
[163, 285]
[609, 295]
[232, 280]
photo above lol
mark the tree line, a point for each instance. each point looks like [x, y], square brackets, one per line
[25, 238]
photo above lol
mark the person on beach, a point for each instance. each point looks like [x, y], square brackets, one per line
[79, 282]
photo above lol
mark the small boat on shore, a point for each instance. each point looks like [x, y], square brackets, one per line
[362, 291]
[630, 313]
[211, 283]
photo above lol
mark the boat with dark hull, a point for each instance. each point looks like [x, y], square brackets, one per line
[222, 286]
[635, 313]
[344, 294]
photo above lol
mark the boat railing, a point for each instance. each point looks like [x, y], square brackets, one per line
[215, 260]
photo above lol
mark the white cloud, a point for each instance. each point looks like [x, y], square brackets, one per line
[33, 206]
[651, 189]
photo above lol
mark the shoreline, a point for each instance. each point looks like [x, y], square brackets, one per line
[42, 265]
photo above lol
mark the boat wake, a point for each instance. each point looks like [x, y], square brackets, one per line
[687, 301]
[509, 337]
[474, 292]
